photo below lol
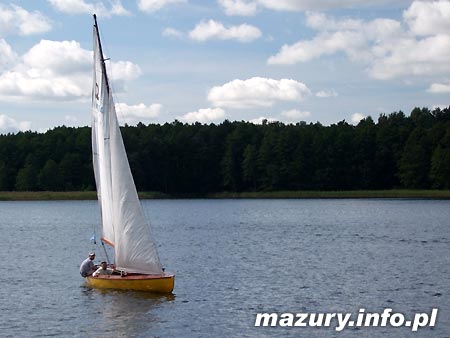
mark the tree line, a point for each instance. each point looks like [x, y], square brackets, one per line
[397, 151]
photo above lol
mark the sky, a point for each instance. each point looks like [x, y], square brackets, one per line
[206, 61]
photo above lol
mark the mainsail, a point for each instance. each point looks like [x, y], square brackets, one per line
[124, 224]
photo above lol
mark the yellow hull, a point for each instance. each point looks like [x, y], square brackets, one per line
[150, 283]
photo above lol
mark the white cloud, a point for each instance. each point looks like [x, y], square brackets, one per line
[50, 69]
[124, 70]
[137, 113]
[204, 115]
[249, 7]
[56, 70]
[8, 57]
[118, 9]
[351, 37]
[70, 118]
[10, 125]
[324, 44]
[439, 88]
[207, 30]
[154, 5]
[308, 5]
[61, 57]
[287, 5]
[239, 7]
[171, 32]
[257, 92]
[84, 7]
[14, 85]
[411, 57]
[440, 106]
[382, 45]
[121, 72]
[428, 18]
[261, 119]
[321, 22]
[295, 114]
[77, 6]
[16, 20]
[357, 117]
[326, 93]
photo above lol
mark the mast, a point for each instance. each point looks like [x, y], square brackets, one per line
[102, 147]
[102, 59]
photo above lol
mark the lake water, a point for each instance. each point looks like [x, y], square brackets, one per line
[232, 259]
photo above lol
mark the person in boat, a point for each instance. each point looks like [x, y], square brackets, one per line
[103, 270]
[87, 267]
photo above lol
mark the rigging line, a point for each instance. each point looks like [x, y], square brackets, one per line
[106, 253]
[93, 239]
[111, 84]
[119, 113]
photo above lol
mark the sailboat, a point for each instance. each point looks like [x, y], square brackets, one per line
[124, 226]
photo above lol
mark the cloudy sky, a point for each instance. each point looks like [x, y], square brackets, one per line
[206, 61]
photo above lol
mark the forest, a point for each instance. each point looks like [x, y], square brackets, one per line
[396, 151]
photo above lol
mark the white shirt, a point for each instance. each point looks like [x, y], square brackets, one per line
[101, 271]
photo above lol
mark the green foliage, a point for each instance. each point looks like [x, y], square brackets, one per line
[50, 177]
[397, 151]
[440, 162]
[3, 176]
[26, 179]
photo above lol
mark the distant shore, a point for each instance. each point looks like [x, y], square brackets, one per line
[92, 195]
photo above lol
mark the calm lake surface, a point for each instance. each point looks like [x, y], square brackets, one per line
[232, 259]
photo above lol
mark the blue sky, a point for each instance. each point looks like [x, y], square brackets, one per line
[206, 61]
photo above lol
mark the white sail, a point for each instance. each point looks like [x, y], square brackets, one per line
[124, 224]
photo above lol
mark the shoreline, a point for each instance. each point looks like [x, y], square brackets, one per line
[357, 194]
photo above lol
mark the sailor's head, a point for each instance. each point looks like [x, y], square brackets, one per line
[104, 265]
[92, 255]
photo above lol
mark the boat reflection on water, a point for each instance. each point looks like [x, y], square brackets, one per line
[123, 313]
